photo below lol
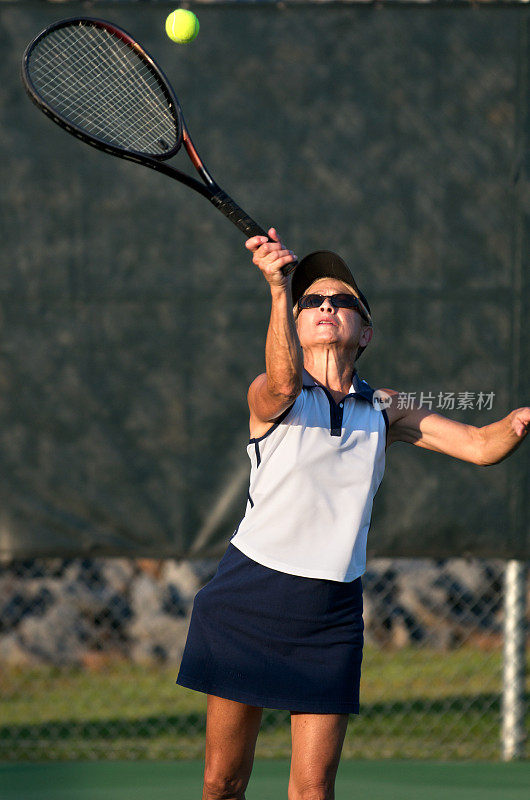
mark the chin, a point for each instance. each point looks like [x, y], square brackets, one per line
[329, 336]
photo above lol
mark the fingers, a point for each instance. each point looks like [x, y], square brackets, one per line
[521, 421]
[255, 241]
[270, 251]
[270, 255]
[273, 273]
[519, 428]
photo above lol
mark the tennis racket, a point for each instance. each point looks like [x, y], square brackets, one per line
[95, 81]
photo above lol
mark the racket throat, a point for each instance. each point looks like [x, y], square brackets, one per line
[197, 161]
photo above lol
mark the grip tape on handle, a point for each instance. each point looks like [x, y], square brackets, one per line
[241, 220]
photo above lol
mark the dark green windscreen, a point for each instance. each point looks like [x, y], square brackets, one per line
[132, 319]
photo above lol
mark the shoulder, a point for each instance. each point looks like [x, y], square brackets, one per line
[387, 400]
[258, 426]
[380, 399]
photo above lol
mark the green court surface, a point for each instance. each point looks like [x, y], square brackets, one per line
[373, 780]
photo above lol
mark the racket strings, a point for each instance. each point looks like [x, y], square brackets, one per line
[110, 121]
[71, 72]
[96, 81]
[145, 81]
[117, 112]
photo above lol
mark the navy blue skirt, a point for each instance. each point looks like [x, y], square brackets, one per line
[275, 640]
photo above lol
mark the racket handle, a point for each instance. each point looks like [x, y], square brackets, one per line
[241, 220]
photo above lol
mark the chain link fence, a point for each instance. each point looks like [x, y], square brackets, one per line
[90, 649]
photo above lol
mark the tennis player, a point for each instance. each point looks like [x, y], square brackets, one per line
[280, 624]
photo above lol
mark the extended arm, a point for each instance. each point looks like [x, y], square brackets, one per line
[275, 390]
[487, 445]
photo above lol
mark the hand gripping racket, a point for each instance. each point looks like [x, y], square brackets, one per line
[96, 82]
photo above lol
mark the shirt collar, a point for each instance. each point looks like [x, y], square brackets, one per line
[358, 388]
[361, 388]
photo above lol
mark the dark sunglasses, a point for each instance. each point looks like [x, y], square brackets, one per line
[336, 300]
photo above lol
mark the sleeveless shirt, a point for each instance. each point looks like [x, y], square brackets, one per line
[313, 478]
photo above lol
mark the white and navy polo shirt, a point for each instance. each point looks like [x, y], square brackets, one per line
[313, 478]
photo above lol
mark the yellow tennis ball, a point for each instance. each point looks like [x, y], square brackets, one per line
[182, 26]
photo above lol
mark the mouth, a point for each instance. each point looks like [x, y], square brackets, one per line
[326, 322]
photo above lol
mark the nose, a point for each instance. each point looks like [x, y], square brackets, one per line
[327, 305]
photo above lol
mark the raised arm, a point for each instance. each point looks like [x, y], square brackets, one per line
[275, 390]
[487, 445]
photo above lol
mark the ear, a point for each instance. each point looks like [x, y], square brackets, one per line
[366, 336]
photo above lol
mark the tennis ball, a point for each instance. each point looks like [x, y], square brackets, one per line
[182, 26]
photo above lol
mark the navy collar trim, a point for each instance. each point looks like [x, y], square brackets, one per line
[358, 388]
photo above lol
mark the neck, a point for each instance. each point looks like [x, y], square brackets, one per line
[332, 369]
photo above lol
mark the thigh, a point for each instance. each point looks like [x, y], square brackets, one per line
[317, 741]
[231, 732]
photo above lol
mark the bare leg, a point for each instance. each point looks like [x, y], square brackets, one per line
[231, 733]
[317, 741]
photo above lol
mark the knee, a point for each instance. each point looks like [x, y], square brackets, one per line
[312, 791]
[223, 787]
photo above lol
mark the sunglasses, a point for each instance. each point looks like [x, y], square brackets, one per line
[336, 300]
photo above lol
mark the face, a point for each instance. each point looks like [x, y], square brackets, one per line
[327, 325]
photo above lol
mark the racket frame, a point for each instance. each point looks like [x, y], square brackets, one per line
[208, 188]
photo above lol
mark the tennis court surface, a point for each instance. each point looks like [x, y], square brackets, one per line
[391, 780]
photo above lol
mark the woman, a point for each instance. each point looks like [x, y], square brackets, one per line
[280, 624]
